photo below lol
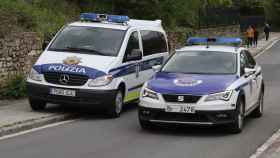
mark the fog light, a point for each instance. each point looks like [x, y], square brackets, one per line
[146, 112]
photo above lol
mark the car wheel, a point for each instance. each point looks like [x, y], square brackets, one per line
[117, 105]
[258, 112]
[37, 105]
[238, 124]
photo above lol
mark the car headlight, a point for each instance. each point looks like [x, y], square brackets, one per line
[34, 75]
[149, 94]
[100, 81]
[219, 96]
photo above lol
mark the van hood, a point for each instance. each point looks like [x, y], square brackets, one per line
[74, 63]
[193, 84]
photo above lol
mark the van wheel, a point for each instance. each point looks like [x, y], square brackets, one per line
[258, 112]
[37, 105]
[116, 108]
[238, 124]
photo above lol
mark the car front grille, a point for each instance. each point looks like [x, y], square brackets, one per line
[72, 79]
[181, 98]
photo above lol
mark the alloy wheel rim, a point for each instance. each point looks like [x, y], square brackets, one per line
[261, 104]
[240, 117]
[119, 102]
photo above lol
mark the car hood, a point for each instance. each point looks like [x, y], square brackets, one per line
[193, 84]
[74, 63]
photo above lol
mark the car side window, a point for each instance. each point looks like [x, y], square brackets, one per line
[243, 63]
[133, 43]
[153, 42]
[251, 61]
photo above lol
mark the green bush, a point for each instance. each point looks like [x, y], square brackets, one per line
[16, 87]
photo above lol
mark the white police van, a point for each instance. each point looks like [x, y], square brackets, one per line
[101, 61]
[204, 85]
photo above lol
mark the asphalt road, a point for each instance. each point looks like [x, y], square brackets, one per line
[97, 137]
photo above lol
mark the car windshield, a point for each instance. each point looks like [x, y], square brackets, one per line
[89, 40]
[202, 62]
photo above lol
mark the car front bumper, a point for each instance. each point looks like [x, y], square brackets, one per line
[84, 97]
[201, 118]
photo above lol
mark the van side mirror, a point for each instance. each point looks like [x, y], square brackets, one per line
[45, 44]
[249, 72]
[136, 54]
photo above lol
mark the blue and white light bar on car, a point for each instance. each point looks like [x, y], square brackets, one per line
[93, 17]
[215, 41]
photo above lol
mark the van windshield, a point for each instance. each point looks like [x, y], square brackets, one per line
[89, 40]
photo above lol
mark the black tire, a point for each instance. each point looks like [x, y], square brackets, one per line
[115, 109]
[238, 124]
[145, 125]
[258, 112]
[37, 105]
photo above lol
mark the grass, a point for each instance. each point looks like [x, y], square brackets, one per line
[16, 88]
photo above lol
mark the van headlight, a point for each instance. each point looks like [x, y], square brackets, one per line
[149, 94]
[100, 81]
[225, 96]
[34, 75]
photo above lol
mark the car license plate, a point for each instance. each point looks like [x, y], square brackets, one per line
[63, 92]
[180, 109]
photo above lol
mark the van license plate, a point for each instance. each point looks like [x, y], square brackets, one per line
[63, 92]
[180, 109]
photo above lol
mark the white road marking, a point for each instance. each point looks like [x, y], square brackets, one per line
[267, 48]
[35, 129]
[266, 145]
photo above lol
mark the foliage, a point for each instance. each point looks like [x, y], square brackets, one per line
[16, 87]
[39, 15]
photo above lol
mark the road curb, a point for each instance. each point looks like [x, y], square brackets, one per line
[34, 123]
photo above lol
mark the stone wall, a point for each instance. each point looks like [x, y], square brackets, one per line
[18, 52]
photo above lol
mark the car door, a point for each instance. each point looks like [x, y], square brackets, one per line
[256, 80]
[247, 81]
[155, 52]
[132, 67]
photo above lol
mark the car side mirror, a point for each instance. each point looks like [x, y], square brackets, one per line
[249, 72]
[156, 68]
[45, 44]
[136, 54]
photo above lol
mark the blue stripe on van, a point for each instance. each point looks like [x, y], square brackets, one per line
[131, 68]
[69, 69]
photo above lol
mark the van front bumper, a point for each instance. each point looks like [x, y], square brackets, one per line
[84, 97]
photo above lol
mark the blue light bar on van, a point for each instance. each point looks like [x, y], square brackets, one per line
[220, 40]
[103, 17]
[118, 18]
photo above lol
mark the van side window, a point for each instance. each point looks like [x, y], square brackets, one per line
[153, 42]
[133, 43]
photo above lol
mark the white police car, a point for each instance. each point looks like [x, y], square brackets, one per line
[204, 85]
[100, 61]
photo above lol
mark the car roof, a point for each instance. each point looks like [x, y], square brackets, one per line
[216, 48]
[132, 23]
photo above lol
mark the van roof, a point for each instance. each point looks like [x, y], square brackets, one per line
[121, 26]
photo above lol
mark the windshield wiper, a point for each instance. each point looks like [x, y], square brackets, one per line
[85, 50]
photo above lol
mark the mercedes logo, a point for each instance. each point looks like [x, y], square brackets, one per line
[64, 79]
